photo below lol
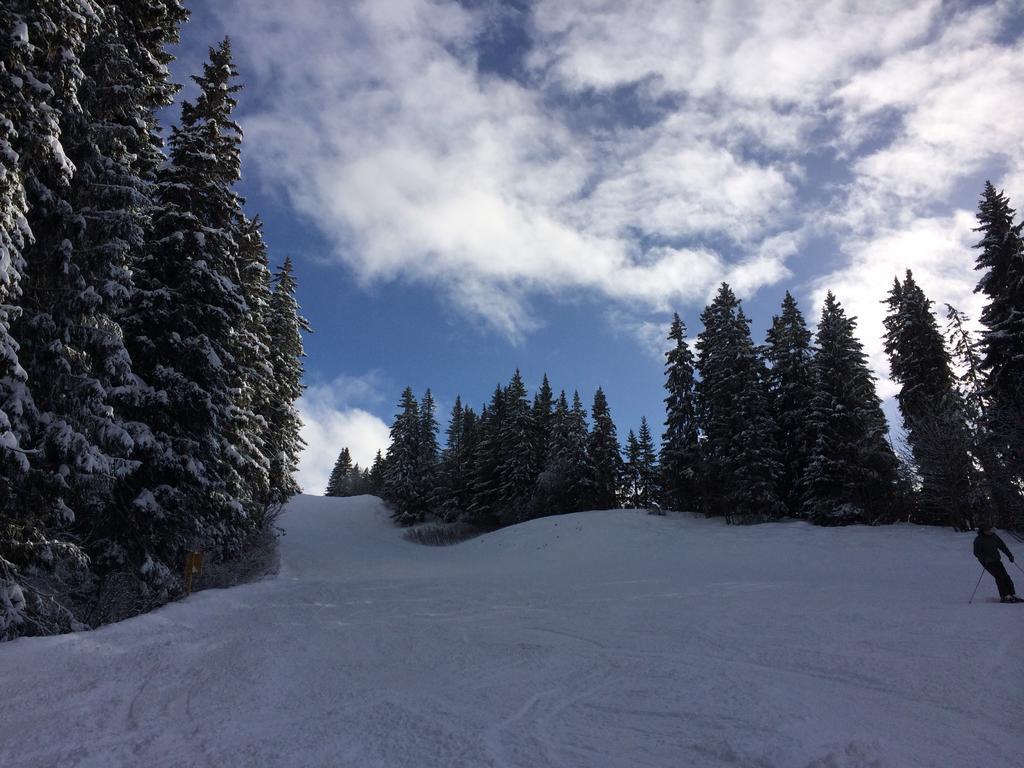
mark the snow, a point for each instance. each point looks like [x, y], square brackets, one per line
[19, 34]
[595, 639]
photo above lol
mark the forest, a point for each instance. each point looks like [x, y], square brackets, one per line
[791, 428]
[150, 358]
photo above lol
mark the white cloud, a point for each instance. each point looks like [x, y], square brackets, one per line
[650, 336]
[373, 119]
[418, 167]
[332, 420]
[772, 51]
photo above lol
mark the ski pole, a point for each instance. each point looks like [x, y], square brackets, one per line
[976, 587]
[1018, 567]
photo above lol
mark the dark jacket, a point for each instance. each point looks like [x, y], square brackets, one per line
[987, 546]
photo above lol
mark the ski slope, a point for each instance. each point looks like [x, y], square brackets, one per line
[595, 639]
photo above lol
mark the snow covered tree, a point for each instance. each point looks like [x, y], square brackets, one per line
[680, 449]
[574, 460]
[46, 464]
[182, 331]
[339, 483]
[455, 469]
[605, 455]
[641, 470]
[933, 413]
[484, 499]
[1001, 260]
[566, 484]
[630, 491]
[428, 456]
[285, 326]
[257, 393]
[403, 480]
[543, 412]
[375, 478]
[740, 460]
[790, 389]
[1002, 496]
[852, 473]
[516, 471]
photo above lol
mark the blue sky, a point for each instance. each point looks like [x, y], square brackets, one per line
[470, 188]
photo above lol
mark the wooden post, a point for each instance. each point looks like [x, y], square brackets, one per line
[193, 567]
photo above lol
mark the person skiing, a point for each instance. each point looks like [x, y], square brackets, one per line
[986, 548]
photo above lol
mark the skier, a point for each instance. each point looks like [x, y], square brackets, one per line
[986, 548]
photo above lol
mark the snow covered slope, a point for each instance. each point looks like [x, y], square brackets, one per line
[595, 639]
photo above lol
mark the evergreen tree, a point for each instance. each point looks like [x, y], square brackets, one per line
[932, 411]
[648, 493]
[1001, 260]
[453, 471]
[852, 473]
[997, 483]
[41, 45]
[605, 455]
[182, 334]
[256, 396]
[403, 481]
[516, 471]
[680, 449]
[428, 455]
[740, 460]
[366, 482]
[375, 476]
[631, 484]
[80, 280]
[339, 481]
[484, 510]
[966, 357]
[790, 390]
[543, 413]
[285, 326]
[568, 484]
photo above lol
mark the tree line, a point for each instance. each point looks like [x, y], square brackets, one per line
[792, 427]
[149, 358]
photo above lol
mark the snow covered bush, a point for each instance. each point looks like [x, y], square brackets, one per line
[440, 534]
[12, 606]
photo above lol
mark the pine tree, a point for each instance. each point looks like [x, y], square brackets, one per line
[790, 390]
[375, 477]
[41, 44]
[516, 471]
[740, 460]
[966, 357]
[631, 484]
[680, 449]
[605, 455]
[852, 473]
[453, 471]
[338, 484]
[285, 326]
[403, 482]
[997, 484]
[1001, 260]
[933, 413]
[256, 397]
[646, 470]
[181, 332]
[543, 413]
[428, 452]
[483, 510]
[568, 484]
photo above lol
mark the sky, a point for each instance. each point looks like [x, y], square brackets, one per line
[472, 187]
